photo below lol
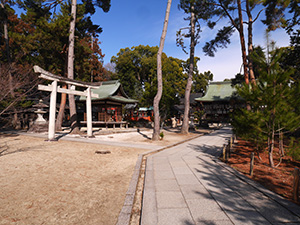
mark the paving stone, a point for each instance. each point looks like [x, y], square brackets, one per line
[164, 174]
[174, 217]
[247, 217]
[149, 212]
[183, 179]
[161, 166]
[170, 199]
[149, 163]
[214, 222]
[232, 202]
[160, 159]
[195, 191]
[209, 215]
[178, 163]
[182, 170]
[267, 208]
[166, 185]
[190, 186]
[191, 160]
[205, 204]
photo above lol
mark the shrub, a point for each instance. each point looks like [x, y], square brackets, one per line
[294, 149]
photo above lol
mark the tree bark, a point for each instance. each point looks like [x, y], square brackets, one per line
[250, 43]
[281, 146]
[10, 77]
[271, 148]
[72, 105]
[242, 40]
[185, 123]
[61, 112]
[156, 130]
[63, 101]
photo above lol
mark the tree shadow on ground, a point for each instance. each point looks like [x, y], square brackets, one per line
[236, 195]
[144, 135]
[62, 135]
[8, 134]
[5, 150]
[177, 130]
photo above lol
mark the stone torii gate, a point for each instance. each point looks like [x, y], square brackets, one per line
[54, 89]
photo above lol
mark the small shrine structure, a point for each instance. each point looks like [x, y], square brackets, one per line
[108, 106]
[220, 99]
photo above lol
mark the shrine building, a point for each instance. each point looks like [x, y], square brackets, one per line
[107, 108]
[220, 99]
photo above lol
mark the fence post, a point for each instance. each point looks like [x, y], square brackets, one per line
[296, 185]
[227, 152]
[252, 164]
[224, 152]
[229, 149]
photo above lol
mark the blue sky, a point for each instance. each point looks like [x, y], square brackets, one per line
[140, 22]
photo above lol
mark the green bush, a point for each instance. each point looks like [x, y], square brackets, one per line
[294, 149]
[161, 135]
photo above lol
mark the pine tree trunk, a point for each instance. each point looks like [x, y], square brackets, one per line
[61, 112]
[250, 43]
[271, 149]
[242, 40]
[72, 105]
[281, 147]
[156, 130]
[10, 78]
[185, 123]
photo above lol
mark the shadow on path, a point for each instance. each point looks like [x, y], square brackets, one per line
[144, 135]
[238, 198]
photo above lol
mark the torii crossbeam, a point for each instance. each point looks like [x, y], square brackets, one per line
[54, 89]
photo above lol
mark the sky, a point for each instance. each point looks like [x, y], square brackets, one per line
[140, 22]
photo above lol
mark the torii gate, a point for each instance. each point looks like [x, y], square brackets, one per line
[54, 88]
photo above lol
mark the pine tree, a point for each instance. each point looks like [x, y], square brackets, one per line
[272, 104]
[156, 130]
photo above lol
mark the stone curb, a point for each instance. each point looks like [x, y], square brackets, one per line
[125, 214]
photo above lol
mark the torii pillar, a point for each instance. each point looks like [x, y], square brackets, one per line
[54, 89]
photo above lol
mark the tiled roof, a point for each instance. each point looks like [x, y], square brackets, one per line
[109, 91]
[219, 91]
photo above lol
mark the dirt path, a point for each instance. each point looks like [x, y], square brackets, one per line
[66, 182]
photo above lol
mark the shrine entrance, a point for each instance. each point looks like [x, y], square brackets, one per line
[54, 88]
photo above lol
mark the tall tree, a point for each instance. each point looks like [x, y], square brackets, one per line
[186, 117]
[136, 68]
[105, 5]
[228, 9]
[72, 106]
[14, 76]
[277, 17]
[242, 40]
[197, 10]
[156, 130]
[3, 9]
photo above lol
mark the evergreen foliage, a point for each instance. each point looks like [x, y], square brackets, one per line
[39, 36]
[272, 101]
[136, 70]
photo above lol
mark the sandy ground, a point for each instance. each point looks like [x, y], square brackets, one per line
[65, 182]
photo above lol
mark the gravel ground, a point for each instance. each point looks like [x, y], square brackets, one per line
[65, 182]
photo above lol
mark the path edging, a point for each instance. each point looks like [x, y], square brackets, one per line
[126, 211]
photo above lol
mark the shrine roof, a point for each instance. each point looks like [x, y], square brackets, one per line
[110, 90]
[219, 91]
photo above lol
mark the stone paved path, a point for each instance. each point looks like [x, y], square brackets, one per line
[187, 184]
